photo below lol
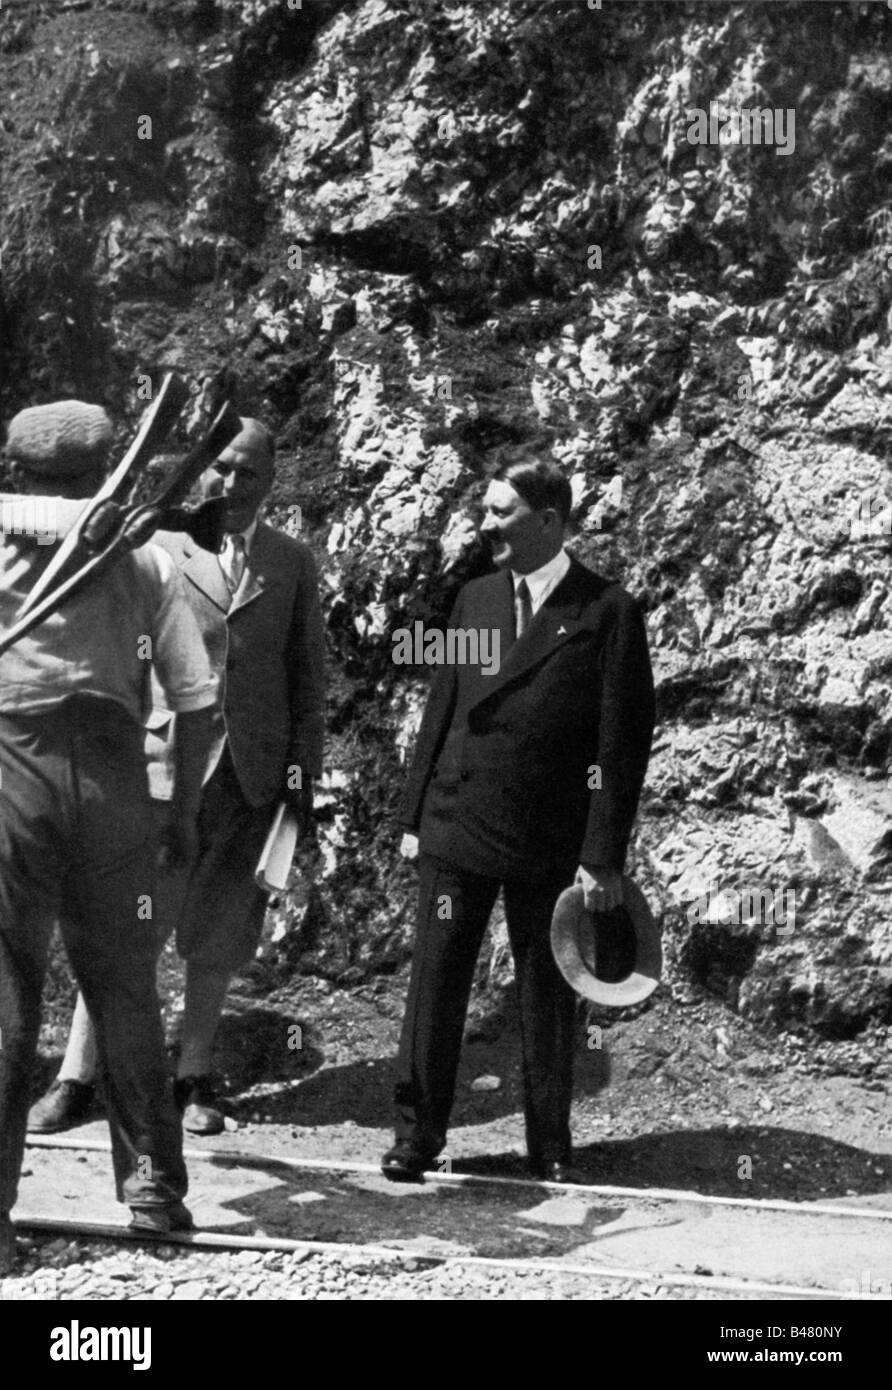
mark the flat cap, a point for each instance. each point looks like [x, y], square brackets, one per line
[60, 440]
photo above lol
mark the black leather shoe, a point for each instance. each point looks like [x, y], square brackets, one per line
[66, 1104]
[161, 1220]
[406, 1161]
[196, 1101]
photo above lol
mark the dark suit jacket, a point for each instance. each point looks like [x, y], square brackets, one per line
[266, 643]
[499, 784]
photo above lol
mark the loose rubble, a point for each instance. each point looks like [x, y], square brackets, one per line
[405, 234]
[85, 1270]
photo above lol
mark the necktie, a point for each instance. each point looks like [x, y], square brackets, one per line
[523, 608]
[235, 561]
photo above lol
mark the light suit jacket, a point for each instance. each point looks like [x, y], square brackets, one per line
[266, 643]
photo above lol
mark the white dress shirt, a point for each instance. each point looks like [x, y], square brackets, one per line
[232, 563]
[541, 582]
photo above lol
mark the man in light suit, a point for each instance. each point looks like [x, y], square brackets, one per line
[525, 779]
[257, 606]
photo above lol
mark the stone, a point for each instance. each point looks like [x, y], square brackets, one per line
[190, 1289]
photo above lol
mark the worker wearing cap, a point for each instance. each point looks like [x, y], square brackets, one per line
[76, 836]
[257, 606]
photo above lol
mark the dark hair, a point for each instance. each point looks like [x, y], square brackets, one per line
[533, 474]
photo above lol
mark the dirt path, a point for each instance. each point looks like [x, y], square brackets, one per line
[683, 1098]
[806, 1248]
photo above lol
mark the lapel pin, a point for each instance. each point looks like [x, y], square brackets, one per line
[562, 631]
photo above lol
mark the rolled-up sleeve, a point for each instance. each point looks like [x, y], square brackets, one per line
[180, 658]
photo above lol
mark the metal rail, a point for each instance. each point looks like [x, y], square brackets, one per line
[268, 1162]
[213, 1240]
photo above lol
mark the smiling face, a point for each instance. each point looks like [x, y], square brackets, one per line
[243, 474]
[521, 539]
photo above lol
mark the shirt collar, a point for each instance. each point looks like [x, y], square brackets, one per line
[544, 579]
[247, 535]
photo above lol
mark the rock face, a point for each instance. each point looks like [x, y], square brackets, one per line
[406, 231]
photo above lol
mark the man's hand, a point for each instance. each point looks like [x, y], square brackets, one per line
[142, 526]
[409, 847]
[179, 841]
[603, 887]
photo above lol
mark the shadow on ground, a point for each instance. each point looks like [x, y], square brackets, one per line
[508, 1220]
[255, 1045]
[433, 1218]
[362, 1092]
[782, 1163]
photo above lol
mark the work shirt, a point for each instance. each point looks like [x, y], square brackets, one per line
[106, 639]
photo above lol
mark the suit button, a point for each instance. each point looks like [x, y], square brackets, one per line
[465, 776]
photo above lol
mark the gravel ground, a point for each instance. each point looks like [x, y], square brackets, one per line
[58, 1269]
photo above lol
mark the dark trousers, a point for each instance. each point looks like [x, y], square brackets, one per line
[214, 904]
[76, 845]
[454, 908]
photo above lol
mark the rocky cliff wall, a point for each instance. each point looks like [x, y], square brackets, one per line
[406, 231]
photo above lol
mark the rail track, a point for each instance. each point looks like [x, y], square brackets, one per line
[269, 1163]
[393, 1255]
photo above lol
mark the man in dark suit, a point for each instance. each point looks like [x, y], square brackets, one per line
[525, 779]
[257, 606]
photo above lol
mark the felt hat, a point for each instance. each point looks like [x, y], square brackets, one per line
[60, 440]
[611, 957]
